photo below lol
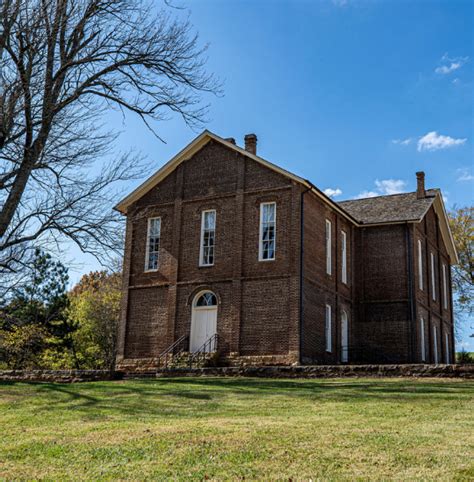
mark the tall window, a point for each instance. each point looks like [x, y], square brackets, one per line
[448, 357]
[328, 329]
[435, 344]
[420, 265]
[422, 339]
[328, 247]
[344, 257]
[433, 283]
[266, 251]
[445, 287]
[208, 237]
[153, 244]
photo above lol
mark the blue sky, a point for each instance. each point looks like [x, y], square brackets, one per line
[354, 95]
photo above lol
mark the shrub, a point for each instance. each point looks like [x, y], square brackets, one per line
[465, 357]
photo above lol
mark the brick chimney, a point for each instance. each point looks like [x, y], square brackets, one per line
[251, 143]
[420, 185]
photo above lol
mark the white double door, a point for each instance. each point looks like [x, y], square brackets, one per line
[203, 327]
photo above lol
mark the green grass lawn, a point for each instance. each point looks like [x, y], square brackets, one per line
[238, 428]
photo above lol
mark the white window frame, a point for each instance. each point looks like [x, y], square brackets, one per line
[447, 348]
[422, 339]
[445, 287]
[328, 329]
[345, 349]
[328, 247]
[433, 282]
[201, 248]
[260, 235]
[344, 257]
[420, 265]
[147, 252]
[435, 345]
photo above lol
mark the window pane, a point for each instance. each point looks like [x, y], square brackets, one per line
[153, 261]
[269, 213]
[267, 231]
[155, 227]
[208, 234]
[207, 299]
[153, 243]
[209, 220]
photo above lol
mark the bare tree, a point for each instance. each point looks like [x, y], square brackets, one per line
[63, 64]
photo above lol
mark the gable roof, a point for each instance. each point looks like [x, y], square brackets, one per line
[391, 208]
[194, 146]
[361, 212]
[401, 208]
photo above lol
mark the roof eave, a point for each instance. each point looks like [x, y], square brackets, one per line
[166, 169]
[197, 144]
[445, 228]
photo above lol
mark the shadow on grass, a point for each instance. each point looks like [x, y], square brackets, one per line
[204, 397]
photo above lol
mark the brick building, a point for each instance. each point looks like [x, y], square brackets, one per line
[221, 242]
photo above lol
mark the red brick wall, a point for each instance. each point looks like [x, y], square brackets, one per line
[265, 314]
[382, 321]
[147, 322]
[433, 311]
[258, 301]
[319, 288]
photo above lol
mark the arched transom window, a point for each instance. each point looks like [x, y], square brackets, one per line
[206, 299]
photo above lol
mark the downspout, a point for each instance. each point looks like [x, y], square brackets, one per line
[411, 291]
[301, 272]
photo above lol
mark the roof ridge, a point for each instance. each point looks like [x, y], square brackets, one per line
[385, 196]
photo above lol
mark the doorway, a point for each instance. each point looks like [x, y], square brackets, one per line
[203, 320]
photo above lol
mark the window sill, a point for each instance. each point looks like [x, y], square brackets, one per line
[206, 266]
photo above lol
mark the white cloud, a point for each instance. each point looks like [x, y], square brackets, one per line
[446, 69]
[465, 175]
[384, 187]
[340, 3]
[365, 194]
[402, 142]
[434, 141]
[450, 64]
[390, 186]
[332, 192]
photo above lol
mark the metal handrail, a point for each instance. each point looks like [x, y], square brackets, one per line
[182, 342]
[199, 354]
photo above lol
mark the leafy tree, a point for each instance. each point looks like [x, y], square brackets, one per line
[34, 318]
[462, 226]
[21, 345]
[95, 311]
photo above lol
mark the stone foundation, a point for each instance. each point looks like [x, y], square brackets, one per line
[264, 360]
[149, 365]
[329, 371]
[137, 365]
[308, 371]
[59, 376]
